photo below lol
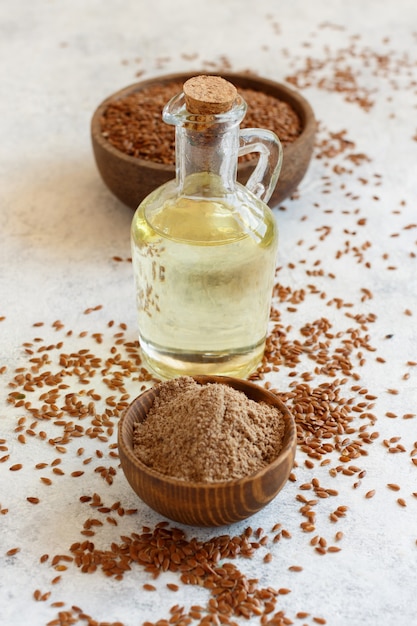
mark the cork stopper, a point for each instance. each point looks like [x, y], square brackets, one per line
[208, 95]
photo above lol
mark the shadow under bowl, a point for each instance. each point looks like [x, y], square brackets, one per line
[131, 179]
[206, 503]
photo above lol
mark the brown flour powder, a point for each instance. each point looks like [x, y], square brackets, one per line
[208, 432]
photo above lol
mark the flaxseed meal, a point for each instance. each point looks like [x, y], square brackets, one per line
[208, 432]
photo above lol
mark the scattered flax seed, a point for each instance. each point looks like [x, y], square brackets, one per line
[149, 587]
[91, 309]
[401, 502]
[16, 467]
[334, 420]
[195, 561]
[12, 551]
[370, 494]
[393, 486]
[32, 500]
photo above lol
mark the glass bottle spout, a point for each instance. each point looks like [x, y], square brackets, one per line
[209, 139]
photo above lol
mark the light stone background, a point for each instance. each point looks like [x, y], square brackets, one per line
[60, 229]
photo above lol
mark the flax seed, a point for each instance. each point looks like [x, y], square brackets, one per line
[16, 467]
[327, 428]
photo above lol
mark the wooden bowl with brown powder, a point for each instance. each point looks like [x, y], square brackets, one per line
[207, 450]
[134, 148]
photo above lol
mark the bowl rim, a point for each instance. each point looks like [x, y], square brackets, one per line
[288, 448]
[291, 96]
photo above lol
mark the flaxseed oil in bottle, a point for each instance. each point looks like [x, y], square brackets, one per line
[204, 289]
[203, 245]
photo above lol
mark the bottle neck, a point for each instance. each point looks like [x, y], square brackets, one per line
[206, 158]
[206, 146]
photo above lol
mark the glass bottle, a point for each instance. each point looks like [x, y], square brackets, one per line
[203, 245]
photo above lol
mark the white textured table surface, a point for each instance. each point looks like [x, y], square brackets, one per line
[346, 291]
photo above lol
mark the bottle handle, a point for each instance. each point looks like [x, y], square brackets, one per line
[264, 178]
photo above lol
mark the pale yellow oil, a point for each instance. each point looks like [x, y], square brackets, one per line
[204, 271]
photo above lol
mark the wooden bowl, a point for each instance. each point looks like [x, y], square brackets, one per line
[131, 179]
[214, 503]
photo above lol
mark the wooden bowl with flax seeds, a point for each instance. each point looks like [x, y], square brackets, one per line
[207, 450]
[135, 150]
